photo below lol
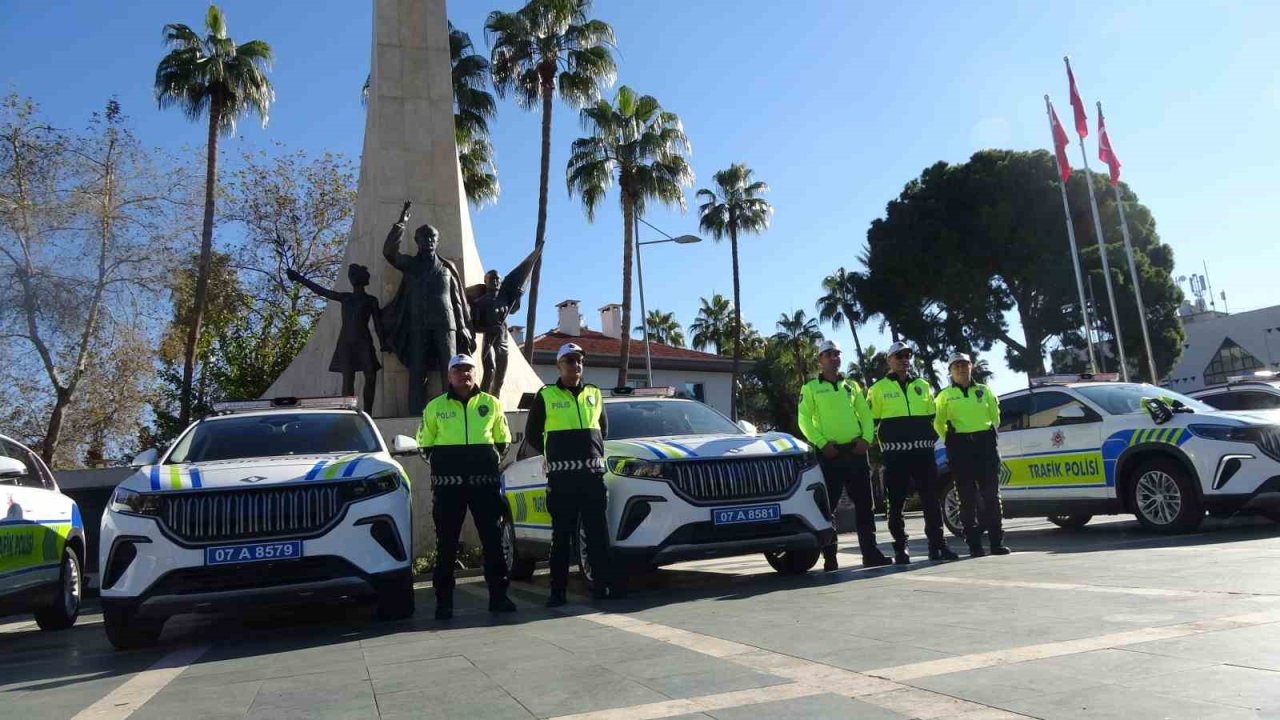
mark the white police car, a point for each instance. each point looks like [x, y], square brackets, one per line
[1077, 446]
[264, 502]
[1259, 391]
[42, 543]
[684, 483]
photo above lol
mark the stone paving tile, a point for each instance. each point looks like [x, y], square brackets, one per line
[1110, 702]
[1250, 688]
[879, 655]
[274, 695]
[711, 682]
[207, 703]
[554, 691]
[350, 710]
[1002, 684]
[1257, 647]
[1115, 665]
[424, 674]
[807, 708]
[473, 703]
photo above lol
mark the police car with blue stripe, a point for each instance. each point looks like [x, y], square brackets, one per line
[684, 483]
[1075, 446]
[263, 502]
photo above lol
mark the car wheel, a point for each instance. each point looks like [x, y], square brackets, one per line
[518, 566]
[64, 610]
[125, 631]
[1070, 521]
[1163, 498]
[395, 598]
[793, 562]
[951, 509]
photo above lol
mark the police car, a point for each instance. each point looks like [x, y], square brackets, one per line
[1077, 446]
[1259, 391]
[263, 502]
[41, 542]
[684, 483]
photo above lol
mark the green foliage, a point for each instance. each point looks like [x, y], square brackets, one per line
[550, 47]
[663, 328]
[839, 305]
[713, 327]
[771, 388]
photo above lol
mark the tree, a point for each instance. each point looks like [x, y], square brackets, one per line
[840, 305]
[473, 108]
[643, 146]
[545, 48]
[799, 332]
[714, 325]
[734, 206]
[210, 76]
[663, 328]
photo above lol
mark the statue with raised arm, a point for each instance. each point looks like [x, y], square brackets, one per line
[491, 305]
[428, 320]
[355, 350]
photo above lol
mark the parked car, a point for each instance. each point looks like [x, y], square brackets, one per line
[1260, 391]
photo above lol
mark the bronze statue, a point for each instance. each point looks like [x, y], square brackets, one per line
[355, 351]
[491, 305]
[428, 320]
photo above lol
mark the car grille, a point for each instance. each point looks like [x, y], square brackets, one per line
[244, 514]
[1269, 442]
[738, 479]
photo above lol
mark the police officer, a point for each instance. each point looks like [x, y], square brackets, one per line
[835, 419]
[463, 435]
[968, 415]
[567, 425]
[903, 410]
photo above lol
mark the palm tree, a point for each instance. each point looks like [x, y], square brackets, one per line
[714, 324]
[663, 328]
[643, 146]
[210, 76]
[544, 48]
[799, 333]
[840, 304]
[734, 206]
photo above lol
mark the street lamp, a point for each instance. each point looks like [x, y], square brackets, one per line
[644, 314]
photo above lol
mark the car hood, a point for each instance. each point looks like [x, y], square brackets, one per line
[1242, 417]
[257, 472]
[682, 447]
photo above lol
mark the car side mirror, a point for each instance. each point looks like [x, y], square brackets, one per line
[403, 445]
[146, 457]
[12, 467]
[1072, 412]
[747, 427]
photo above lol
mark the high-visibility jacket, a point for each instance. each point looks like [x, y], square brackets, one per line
[903, 411]
[964, 410]
[464, 437]
[568, 426]
[834, 412]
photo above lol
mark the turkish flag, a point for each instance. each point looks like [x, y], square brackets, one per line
[1105, 153]
[1060, 142]
[1082, 120]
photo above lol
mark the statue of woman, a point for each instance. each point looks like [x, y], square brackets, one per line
[355, 351]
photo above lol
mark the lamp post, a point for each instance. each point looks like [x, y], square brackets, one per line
[644, 314]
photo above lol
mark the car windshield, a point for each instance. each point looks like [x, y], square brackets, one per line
[1126, 398]
[276, 434]
[656, 418]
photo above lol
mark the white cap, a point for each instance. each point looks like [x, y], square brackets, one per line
[958, 357]
[898, 347]
[828, 346]
[569, 349]
[464, 359]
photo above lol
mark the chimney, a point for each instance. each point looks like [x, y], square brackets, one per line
[611, 320]
[570, 319]
[517, 334]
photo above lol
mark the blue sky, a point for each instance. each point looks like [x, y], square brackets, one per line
[835, 104]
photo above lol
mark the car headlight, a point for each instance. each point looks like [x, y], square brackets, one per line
[372, 486]
[809, 460]
[135, 503]
[637, 468]
[1227, 433]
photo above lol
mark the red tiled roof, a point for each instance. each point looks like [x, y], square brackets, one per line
[598, 344]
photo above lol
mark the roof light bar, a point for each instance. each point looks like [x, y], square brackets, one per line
[333, 403]
[1256, 376]
[1064, 378]
[660, 391]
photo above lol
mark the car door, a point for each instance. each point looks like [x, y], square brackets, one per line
[1061, 449]
[33, 524]
[524, 483]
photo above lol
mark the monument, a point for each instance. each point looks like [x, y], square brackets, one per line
[409, 155]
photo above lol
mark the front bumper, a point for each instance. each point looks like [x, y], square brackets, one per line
[1265, 498]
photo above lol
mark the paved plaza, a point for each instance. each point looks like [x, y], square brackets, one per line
[1111, 622]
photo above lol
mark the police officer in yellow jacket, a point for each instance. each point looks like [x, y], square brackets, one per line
[835, 419]
[967, 419]
[463, 435]
[567, 425]
[903, 409]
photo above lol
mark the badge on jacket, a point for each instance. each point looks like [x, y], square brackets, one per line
[919, 391]
[979, 394]
[591, 400]
[483, 410]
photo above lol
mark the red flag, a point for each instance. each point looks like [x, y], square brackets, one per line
[1082, 120]
[1105, 153]
[1060, 142]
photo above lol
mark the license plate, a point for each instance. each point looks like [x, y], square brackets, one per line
[255, 552]
[746, 514]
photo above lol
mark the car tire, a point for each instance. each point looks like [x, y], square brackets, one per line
[793, 562]
[395, 599]
[1070, 521]
[62, 613]
[126, 632]
[1163, 497]
[519, 567]
[951, 508]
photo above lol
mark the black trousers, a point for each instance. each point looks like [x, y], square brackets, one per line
[975, 469]
[572, 497]
[449, 508]
[905, 473]
[851, 473]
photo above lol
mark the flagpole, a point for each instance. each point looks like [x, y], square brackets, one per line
[1075, 253]
[1133, 272]
[1102, 250]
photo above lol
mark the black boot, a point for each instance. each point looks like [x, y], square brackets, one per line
[940, 552]
[500, 603]
[973, 536]
[871, 555]
[557, 598]
[997, 543]
[900, 554]
[829, 561]
[444, 611]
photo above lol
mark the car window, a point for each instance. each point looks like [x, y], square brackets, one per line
[1057, 409]
[32, 478]
[655, 418]
[1126, 398]
[274, 435]
[1256, 400]
[1013, 413]
[1222, 401]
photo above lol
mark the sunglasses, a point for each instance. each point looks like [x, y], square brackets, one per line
[905, 354]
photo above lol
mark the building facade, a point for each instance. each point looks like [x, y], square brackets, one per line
[1220, 345]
